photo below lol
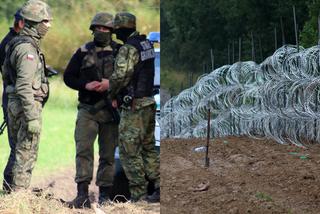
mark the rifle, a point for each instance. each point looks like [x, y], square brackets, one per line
[49, 71]
[2, 127]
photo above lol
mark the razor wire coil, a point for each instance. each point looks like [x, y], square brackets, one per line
[277, 99]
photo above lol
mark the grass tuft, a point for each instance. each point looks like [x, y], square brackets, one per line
[263, 196]
[27, 203]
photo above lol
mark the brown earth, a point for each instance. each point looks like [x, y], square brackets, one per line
[244, 176]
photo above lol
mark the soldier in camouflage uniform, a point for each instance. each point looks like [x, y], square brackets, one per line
[87, 72]
[14, 31]
[27, 88]
[133, 78]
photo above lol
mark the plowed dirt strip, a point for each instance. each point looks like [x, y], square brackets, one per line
[244, 176]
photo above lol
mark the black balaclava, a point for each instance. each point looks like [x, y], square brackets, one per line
[102, 39]
[123, 33]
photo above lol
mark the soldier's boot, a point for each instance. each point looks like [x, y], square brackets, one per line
[104, 195]
[141, 198]
[155, 197]
[82, 200]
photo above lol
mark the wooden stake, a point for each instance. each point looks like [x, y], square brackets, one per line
[228, 53]
[319, 29]
[295, 26]
[275, 39]
[207, 159]
[260, 48]
[240, 49]
[282, 32]
[212, 59]
[232, 51]
[253, 54]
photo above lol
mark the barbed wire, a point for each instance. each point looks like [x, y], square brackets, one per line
[277, 99]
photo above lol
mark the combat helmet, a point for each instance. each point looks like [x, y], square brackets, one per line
[124, 20]
[102, 19]
[36, 11]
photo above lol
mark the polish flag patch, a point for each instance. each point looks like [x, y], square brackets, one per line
[30, 57]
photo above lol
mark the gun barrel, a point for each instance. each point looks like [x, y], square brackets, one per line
[51, 72]
[2, 127]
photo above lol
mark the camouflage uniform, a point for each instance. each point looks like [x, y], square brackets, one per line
[134, 74]
[27, 87]
[93, 62]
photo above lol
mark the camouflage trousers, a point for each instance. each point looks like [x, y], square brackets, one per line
[137, 151]
[26, 144]
[7, 174]
[88, 126]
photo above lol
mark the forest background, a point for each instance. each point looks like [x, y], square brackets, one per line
[190, 29]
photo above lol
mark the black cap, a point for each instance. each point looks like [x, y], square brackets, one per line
[17, 15]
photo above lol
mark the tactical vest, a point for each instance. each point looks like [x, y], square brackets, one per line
[41, 87]
[96, 64]
[141, 85]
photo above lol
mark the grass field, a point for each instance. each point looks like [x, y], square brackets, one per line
[71, 20]
[176, 81]
[57, 148]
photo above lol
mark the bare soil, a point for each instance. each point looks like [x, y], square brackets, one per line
[244, 176]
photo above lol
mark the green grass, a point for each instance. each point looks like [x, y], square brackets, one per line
[264, 196]
[175, 81]
[71, 21]
[57, 147]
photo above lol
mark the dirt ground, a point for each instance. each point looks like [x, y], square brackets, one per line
[244, 176]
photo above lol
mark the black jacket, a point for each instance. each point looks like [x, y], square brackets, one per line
[73, 77]
[11, 34]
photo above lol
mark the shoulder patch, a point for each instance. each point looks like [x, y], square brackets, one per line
[30, 57]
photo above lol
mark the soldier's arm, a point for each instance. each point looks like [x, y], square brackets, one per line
[71, 75]
[3, 44]
[2, 54]
[26, 60]
[125, 61]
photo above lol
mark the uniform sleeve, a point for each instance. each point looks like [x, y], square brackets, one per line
[3, 44]
[2, 53]
[71, 75]
[125, 61]
[26, 60]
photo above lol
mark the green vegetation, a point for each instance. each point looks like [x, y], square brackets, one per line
[263, 196]
[170, 78]
[189, 29]
[70, 27]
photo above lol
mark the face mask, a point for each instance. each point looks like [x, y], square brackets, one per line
[42, 29]
[102, 39]
[121, 35]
